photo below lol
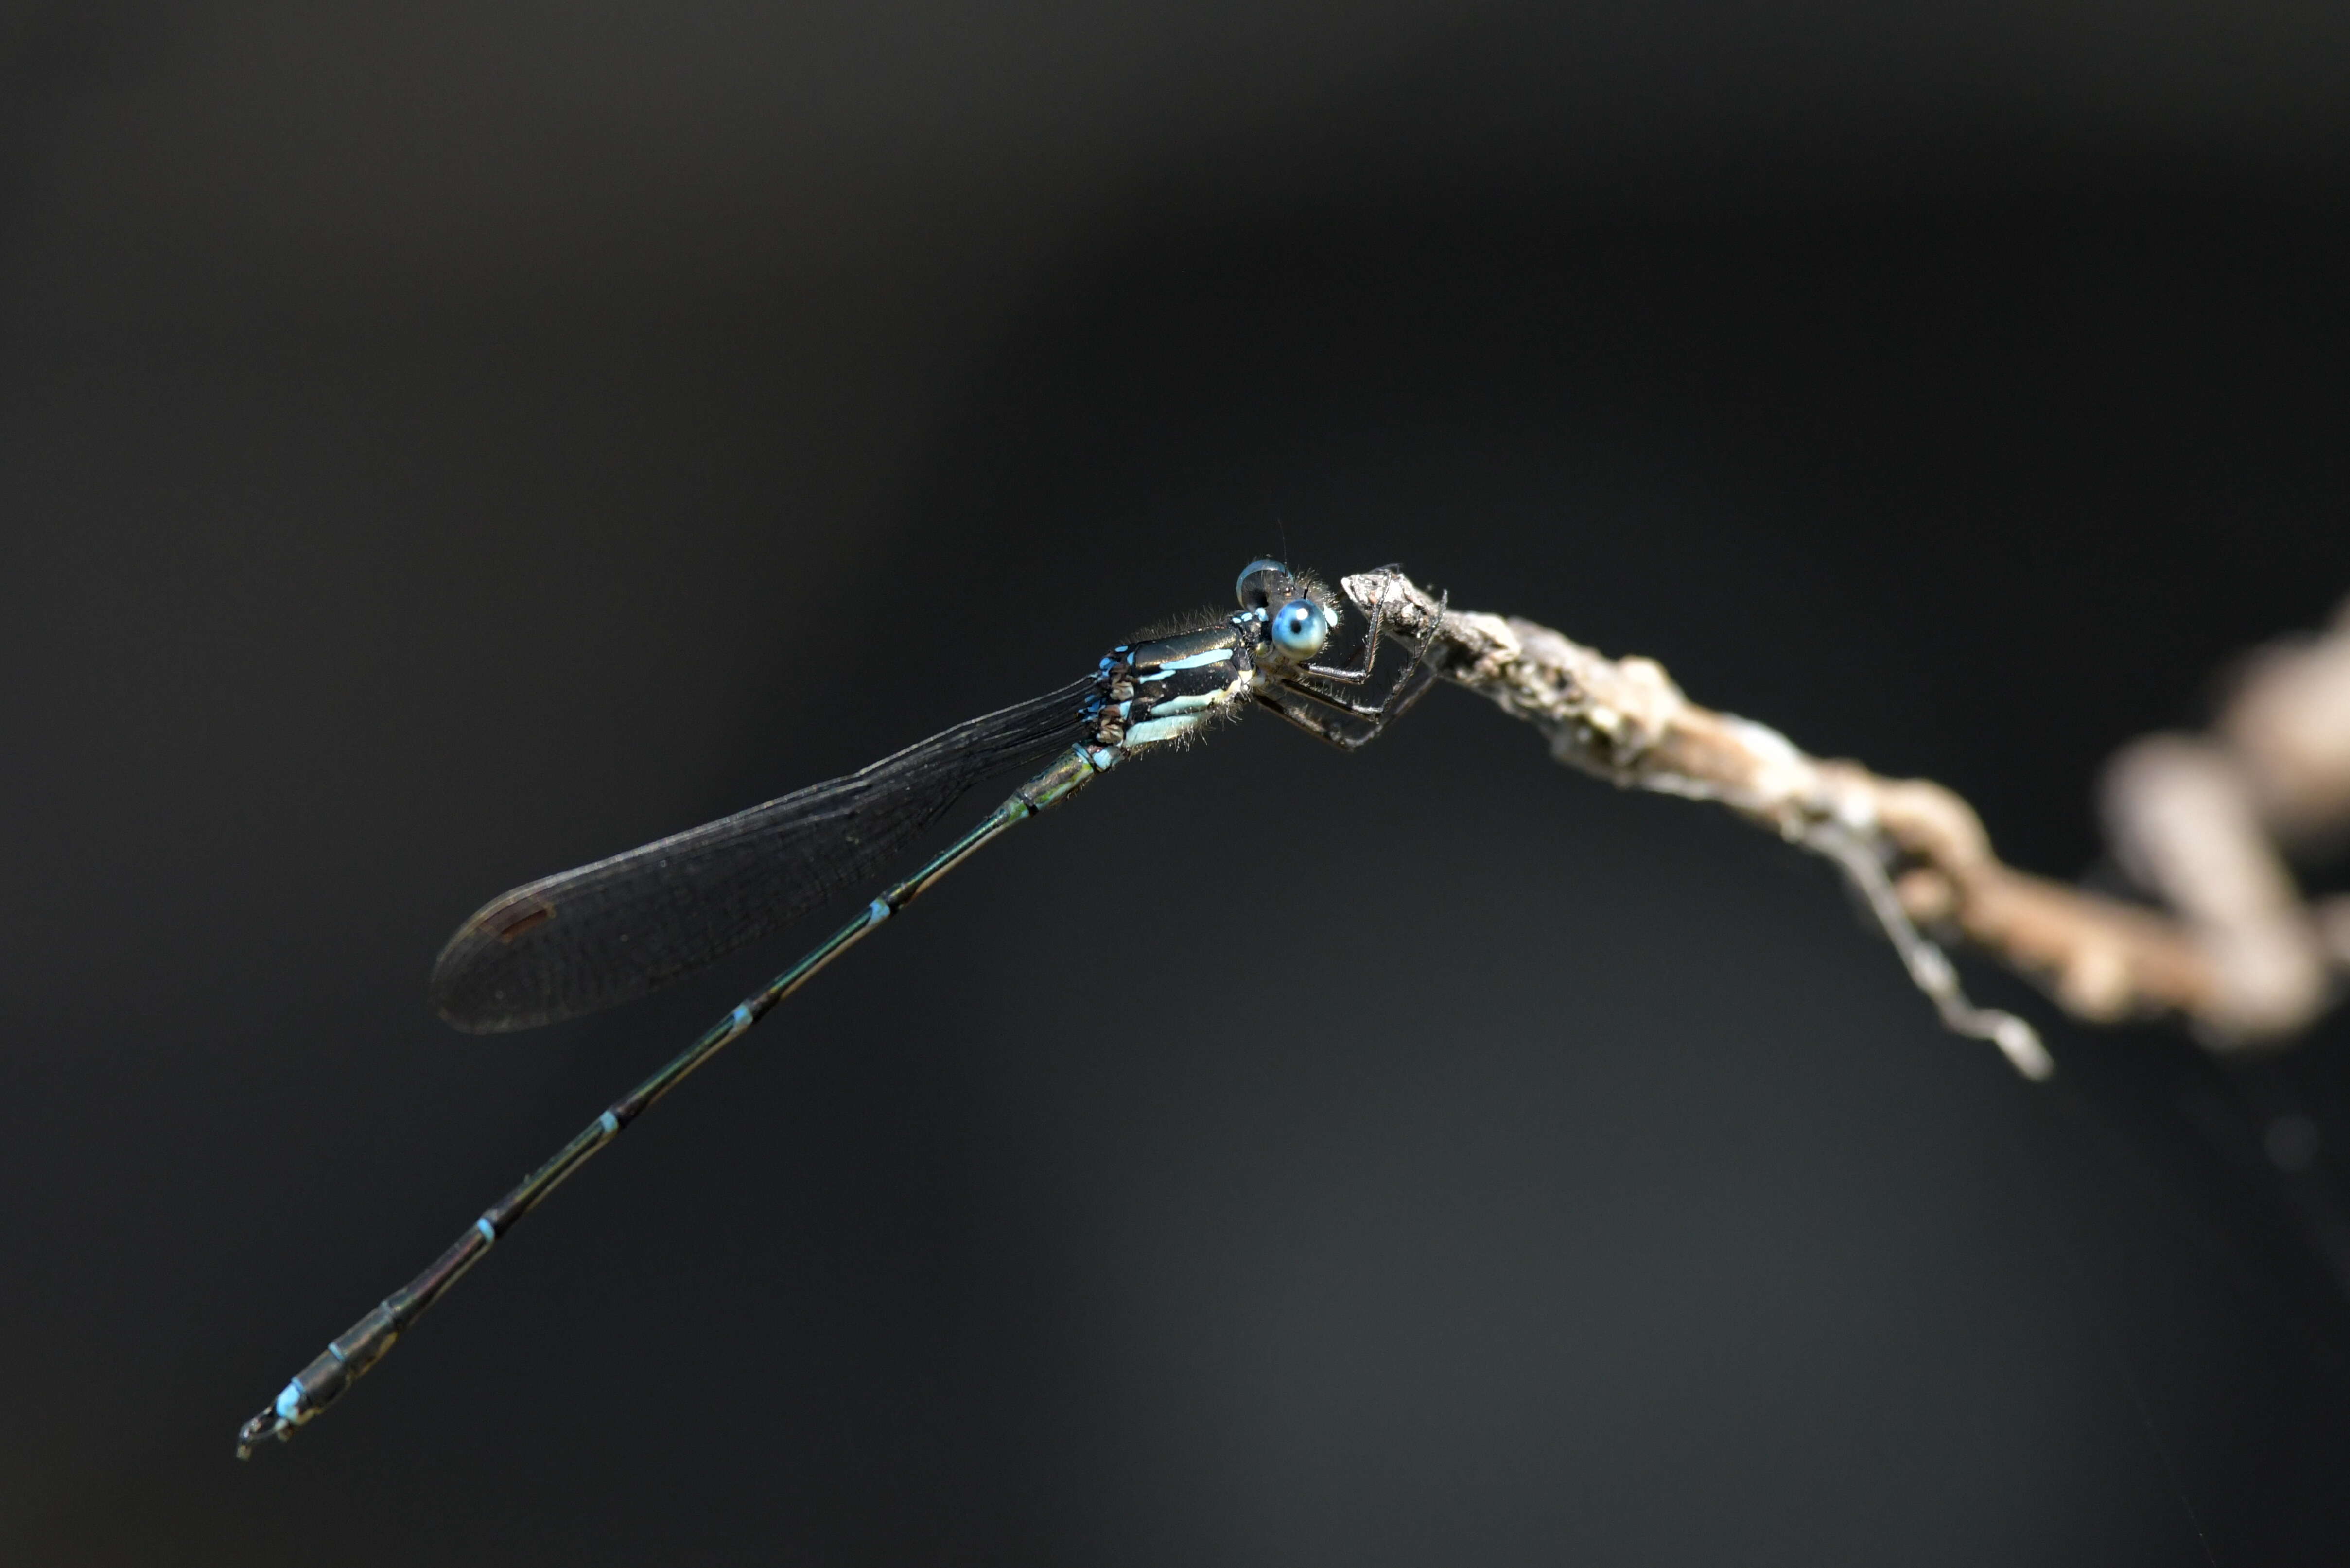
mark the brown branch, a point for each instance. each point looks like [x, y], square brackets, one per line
[1919, 854]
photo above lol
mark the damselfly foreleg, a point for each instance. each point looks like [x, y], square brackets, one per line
[1343, 724]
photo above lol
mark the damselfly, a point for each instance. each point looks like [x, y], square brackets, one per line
[614, 930]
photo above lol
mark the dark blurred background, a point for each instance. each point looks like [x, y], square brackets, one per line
[439, 445]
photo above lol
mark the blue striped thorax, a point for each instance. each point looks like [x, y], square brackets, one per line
[1148, 693]
[1168, 688]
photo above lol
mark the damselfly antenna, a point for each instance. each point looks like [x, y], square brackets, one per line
[606, 933]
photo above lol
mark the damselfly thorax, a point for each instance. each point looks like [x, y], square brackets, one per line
[1169, 688]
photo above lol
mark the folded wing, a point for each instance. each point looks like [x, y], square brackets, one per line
[609, 932]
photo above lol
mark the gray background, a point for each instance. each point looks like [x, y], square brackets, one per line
[441, 444]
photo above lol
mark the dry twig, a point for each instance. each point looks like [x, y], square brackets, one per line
[2243, 959]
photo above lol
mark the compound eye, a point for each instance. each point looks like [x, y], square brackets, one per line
[1260, 581]
[1300, 629]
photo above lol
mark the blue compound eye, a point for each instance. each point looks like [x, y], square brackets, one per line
[1300, 629]
[1259, 580]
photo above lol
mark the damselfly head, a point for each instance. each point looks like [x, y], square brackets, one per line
[1292, 612]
